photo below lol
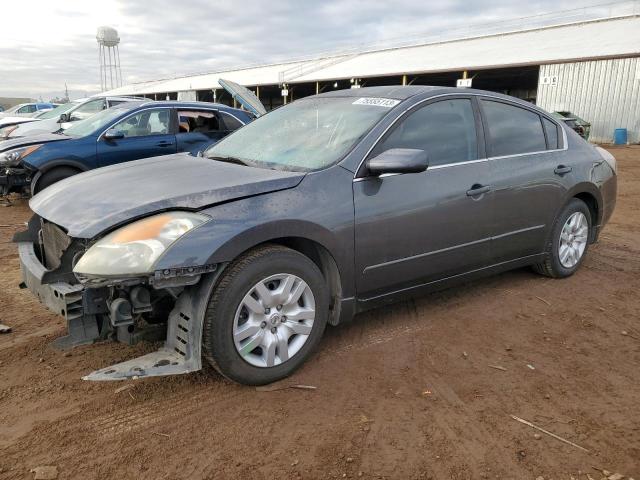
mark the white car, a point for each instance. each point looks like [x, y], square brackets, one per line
[61, 117]
[23, 113]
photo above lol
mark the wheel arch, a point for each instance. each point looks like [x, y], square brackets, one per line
[51, 166]
[592, 197]
[323, 259]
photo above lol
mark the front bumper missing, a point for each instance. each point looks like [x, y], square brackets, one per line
[181, 352]
[13, 179]
[60, 297]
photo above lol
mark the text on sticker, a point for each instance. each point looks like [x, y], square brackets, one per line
[378, 102]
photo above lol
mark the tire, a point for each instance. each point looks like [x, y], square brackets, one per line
[271, 266]
[554, 266]
[52, 176]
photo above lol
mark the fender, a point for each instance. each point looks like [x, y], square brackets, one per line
[298, 213]
[214, 243]
[591, 189]
[63, 162]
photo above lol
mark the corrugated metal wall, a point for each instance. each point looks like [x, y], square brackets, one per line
[605, 93]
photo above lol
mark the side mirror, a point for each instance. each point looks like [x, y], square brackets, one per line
[199, 154]
[64, 118]
[398, 160]
[113, 134]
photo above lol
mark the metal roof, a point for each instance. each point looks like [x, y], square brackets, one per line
[614, 37]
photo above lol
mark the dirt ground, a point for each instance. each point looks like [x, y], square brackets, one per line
[402, 392]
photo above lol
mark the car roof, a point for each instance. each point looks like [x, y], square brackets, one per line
[401, 92]
[176, 104]
[397, 92]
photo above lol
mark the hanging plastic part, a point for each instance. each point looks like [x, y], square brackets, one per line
[181, 351]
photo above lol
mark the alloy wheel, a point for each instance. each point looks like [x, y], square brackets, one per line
[573, 240]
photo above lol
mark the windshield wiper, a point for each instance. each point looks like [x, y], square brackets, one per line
[235, 160]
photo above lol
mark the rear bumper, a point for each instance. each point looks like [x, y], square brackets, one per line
[61, 298]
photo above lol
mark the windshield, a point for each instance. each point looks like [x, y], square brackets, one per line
[309, 134]
[99, 121]
[56, 112]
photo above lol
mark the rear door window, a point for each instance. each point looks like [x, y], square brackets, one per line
[512, 130]
[552, 134]
[446, 130]
[201, 121]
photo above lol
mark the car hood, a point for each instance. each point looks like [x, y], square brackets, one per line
[48, 125]
[91, 203]
[10, 120]
[11, 143]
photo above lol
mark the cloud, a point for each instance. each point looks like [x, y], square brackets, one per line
[165, 38]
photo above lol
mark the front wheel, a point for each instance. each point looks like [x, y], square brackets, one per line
[266, 315]
[569, 241]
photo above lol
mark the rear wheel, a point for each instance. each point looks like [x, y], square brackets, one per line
[52, 176]
[266, 315]
[569, 241]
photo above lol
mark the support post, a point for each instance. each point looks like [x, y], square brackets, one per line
[317, 88]
[404, 80]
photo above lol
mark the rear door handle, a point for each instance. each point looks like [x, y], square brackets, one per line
[562, 170]
[164, 144]
[478, 189]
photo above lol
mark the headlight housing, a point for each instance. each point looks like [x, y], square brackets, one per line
[12, 158]
[133, 250]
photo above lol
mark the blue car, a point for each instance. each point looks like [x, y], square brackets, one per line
[125, 132]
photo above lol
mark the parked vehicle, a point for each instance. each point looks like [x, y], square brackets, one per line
[575, 123]
[29, 122]
[323, 208]
[127, 131]
[63, 116]
[28, 108]
[23, 113]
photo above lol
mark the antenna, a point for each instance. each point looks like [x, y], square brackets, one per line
[109, 58]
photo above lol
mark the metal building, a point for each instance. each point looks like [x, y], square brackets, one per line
[585, 61]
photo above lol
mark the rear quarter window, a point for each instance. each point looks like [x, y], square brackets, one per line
[552, 134]
[512, 130]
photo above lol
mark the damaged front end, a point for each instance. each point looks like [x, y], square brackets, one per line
[164, 305]
[14, 180]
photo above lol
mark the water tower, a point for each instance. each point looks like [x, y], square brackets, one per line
[109, 58]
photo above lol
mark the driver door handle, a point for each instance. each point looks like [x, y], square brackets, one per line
[562, 170]
[164, 143]
[478, 189]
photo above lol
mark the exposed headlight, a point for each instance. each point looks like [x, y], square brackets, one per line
[133, 250]
[13, 157]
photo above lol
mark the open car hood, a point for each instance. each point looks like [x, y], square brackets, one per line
[94, 202]
[245, 96]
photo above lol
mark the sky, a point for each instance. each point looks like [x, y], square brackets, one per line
[45, 43]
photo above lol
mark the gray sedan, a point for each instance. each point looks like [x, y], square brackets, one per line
[312, 213]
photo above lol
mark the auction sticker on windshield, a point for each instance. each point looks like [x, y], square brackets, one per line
[378, 102]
